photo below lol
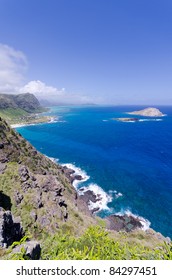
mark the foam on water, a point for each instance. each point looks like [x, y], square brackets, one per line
[52, 120]
[115, 193]
[150, 120]
[78, 171]
[55, 160]
[102, 197]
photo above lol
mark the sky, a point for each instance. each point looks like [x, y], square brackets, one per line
[87, 51]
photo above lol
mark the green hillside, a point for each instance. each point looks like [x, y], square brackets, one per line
[19, 108]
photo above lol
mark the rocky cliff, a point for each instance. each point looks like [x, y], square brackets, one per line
[37, 190]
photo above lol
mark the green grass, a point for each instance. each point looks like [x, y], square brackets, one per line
[12, 114]
[96, 244]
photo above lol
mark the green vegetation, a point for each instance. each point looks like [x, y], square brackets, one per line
[12, 114]
[20, 108]
[96, 244]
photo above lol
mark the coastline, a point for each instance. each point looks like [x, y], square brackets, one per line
[76, 184]
[36, 122]
[97, 200]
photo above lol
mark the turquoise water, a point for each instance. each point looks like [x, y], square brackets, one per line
[130, 161]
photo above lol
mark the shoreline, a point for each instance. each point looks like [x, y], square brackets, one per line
[97, 200]
[37, 122]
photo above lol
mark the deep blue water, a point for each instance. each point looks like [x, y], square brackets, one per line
[134, 159]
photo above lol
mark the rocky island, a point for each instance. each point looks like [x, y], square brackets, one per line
[148, 112]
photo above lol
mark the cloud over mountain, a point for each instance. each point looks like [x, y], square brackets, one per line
[40, 88]
[13, 66]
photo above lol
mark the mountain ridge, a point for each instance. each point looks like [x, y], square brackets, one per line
[22, 108]
[25, 101]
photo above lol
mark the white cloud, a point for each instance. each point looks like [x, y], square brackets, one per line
[39, 88]
[13, 65]
[43, 91]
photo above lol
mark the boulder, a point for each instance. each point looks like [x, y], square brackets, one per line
[24, 173]
[1, 145]
[18, 197]
[32, 249]
[2, 167]
[10, 230]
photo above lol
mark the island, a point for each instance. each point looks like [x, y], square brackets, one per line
[126, 119]
[148, 112]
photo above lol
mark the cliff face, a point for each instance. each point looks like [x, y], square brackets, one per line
[27, 102]
[37, 190]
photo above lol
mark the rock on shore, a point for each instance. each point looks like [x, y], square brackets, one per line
[123, 222]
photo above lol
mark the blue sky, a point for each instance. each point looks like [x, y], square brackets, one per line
[77, 51]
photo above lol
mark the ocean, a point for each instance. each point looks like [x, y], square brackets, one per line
[128, 163]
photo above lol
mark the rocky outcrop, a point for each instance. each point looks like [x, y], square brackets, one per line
[32, 250]
[40, 190]
[10, 228]
[70, 174]
[148, 112]
[2, 167]
[123, 222]
[88, 196]
[1, 145]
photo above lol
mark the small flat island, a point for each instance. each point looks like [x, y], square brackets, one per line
[126, 119]
[148, 112]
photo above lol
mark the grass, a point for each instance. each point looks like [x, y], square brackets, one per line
[96, 244]
[12, 114]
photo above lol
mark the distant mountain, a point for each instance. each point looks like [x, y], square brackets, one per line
[20, 108]
[49, 103]
[26, 101]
